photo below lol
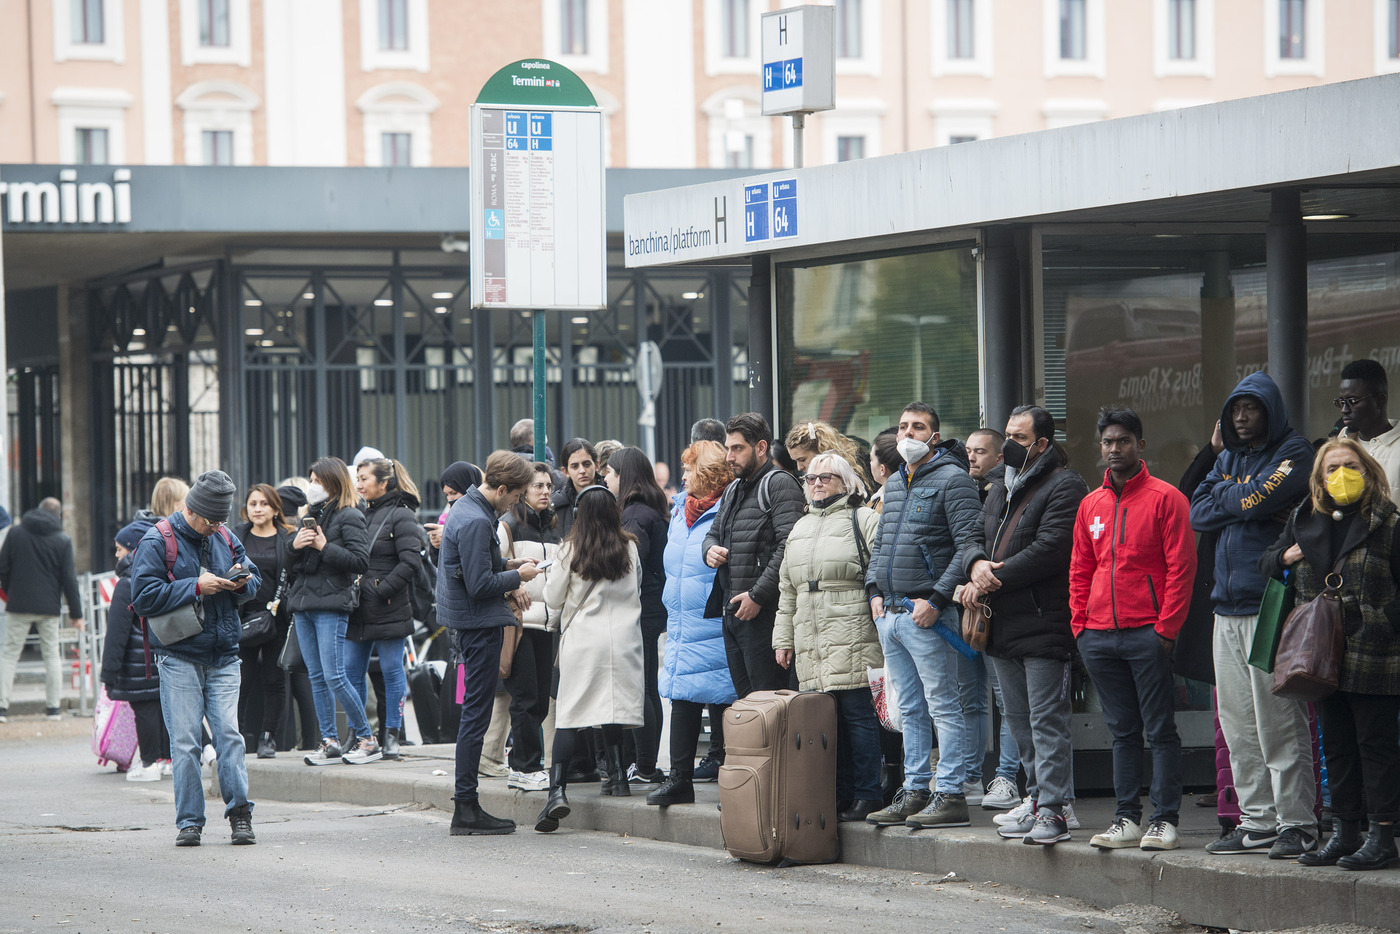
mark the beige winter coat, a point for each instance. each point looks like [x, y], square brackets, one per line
[600, 653]
[829, 629]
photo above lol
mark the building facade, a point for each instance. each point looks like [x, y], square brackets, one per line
[388, 82]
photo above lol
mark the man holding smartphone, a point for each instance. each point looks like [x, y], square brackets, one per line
[473, 580]
[189, 558]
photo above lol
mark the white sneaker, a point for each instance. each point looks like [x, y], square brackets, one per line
[146, 773]
[972, 791]
[1160, 836]
[1071, 821]
[528, 781]
[166, 768]
[1001, 795]
[209, 755]
[1122, 833]
[1018, 814]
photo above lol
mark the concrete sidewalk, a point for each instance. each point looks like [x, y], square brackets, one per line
[1241, 892]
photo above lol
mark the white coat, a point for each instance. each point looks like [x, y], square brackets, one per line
[600, 652]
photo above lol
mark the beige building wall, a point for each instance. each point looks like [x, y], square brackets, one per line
[302, 69]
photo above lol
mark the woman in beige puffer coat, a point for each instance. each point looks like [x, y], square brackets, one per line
[824, 625]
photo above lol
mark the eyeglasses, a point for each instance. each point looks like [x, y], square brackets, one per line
[814, 478]
[209, 522]
[1350, 402]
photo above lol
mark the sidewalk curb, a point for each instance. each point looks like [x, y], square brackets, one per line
[1243, 893]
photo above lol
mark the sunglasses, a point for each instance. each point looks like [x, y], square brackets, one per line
[814, 478]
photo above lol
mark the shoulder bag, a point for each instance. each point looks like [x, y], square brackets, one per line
[1308, 665]
[558, 644]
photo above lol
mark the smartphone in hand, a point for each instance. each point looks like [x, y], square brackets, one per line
[308, 522]
[239, 574]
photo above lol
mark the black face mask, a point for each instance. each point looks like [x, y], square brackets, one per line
[1014, 454]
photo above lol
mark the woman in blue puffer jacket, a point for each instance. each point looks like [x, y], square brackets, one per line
[695, 671]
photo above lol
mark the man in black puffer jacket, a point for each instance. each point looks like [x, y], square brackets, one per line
[746, 543]
[36, 570]
[1020, 570]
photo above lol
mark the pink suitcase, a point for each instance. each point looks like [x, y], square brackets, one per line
[113, 732]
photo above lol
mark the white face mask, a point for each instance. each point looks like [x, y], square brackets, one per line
[315, 494]
[912, 450]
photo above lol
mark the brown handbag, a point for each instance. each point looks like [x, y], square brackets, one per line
[1308, 666]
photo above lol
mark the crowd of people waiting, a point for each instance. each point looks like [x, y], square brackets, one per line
[964, 570]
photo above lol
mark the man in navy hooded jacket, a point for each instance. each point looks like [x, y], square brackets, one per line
[1259, 477]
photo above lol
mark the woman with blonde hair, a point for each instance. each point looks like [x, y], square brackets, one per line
[824, 626]
[695, 670]
[1346, 533]
[806, 440]
[167, 498]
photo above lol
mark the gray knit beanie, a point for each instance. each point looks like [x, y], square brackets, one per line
[211, 497]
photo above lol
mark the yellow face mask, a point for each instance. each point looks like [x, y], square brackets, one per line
[1345, 485]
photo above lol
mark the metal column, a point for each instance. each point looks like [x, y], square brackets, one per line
[483, 380]
[1001, 323]
[761, 375]
[1286, 257]
[722, 338]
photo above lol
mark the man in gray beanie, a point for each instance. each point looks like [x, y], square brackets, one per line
[190, 559]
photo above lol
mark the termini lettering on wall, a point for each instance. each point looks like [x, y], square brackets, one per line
[67, 201]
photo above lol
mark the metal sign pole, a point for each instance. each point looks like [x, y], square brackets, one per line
[799, 123]
[5, 389]
[539, 384]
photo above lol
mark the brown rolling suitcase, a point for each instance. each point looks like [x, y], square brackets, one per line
[777, 787]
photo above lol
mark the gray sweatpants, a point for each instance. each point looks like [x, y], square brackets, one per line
[1269, 738]
[1035, 695]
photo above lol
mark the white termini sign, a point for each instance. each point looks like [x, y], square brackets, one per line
[538, 210]
[798, 52]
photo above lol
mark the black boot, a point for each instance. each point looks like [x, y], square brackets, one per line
[676, 789]
[1344, 842]
[557, 807]
[468, 818]
[615, 781]
[859, 810]
[240, 820]
[267, 748]
[1378, 852]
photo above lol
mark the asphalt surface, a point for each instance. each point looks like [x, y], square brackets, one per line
[82, 849]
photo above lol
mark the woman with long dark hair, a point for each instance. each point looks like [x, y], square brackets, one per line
[267, 537]
[579, 460]
[593, 601]
[329, 553]
[632, 479]
[384, 617]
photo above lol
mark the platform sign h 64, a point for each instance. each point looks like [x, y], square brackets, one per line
[798, 48]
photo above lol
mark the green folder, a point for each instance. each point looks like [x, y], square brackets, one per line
[1279, 598]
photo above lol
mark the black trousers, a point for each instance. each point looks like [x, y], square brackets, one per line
[480, 652]
[748, 645]
[685, 732]
[309, 731]
[528, 685]
[262, 691]
[647, 738]
[1361, 738]
[568, 739]
[151, 736]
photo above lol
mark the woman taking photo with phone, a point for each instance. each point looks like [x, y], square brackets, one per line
[384, 617]
[593, 599]
[330, 551]
[267, 538]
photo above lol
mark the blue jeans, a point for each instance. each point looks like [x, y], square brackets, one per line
[858, 758]
[189, 693]
[321, 637]
[972, 698]
[1010, 756]
[924, 669]
[1134, 680]
[390, 665]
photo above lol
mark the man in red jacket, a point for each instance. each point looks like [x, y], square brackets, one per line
[1130, 580]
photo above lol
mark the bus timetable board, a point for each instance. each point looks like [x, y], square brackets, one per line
[537, 226]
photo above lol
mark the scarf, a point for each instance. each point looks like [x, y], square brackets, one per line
[695, 507]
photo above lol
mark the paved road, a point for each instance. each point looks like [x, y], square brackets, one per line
[81, 849]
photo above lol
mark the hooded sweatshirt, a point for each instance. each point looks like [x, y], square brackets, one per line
[36, 566]
[1248, 495]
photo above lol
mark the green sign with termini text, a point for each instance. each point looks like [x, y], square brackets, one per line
[536, 82]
